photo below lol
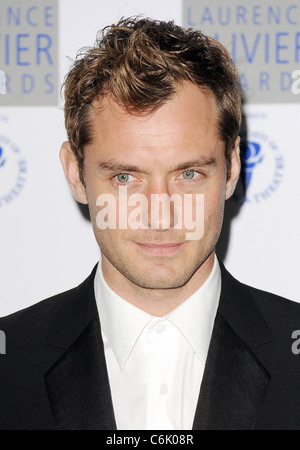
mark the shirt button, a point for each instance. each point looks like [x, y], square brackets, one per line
[164, 389]
[160, 328]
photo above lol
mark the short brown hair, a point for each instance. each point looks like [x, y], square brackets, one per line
[139, 62]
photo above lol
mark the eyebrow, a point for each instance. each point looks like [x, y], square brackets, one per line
[118, 166]
[200, 162]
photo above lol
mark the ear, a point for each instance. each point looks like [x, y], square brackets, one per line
[234, 170]
[71, 169]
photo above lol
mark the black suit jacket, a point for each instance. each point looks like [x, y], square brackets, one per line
[54, 376]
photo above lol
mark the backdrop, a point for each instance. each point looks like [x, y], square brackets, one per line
[46, 243]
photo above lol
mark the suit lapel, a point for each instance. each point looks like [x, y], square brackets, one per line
[77, 383]
[235, 381]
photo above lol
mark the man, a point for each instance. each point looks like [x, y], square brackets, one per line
[159, 336]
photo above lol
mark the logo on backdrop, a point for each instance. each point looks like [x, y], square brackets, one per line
[264, 166]
[29, 52]
[262, 37]
[13, 171]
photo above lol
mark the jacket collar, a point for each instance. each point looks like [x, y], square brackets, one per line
[77, 381]
[235, 380]
[78, 308]
[239, 309]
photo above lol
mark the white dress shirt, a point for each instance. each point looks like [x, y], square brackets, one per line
[155, 364]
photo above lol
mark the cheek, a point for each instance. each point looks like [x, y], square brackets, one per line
[93, 190]
[112, 243]
[214, 209]
[102, 204]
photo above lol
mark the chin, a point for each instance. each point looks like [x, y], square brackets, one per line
[166, 282]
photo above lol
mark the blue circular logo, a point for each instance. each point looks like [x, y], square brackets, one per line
[264, 167]
[13, 171]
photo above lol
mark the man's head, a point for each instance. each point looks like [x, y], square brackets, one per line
[156, 110]
[140, 64]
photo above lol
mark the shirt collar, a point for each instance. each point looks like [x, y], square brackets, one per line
[122, 323]
[196, 315]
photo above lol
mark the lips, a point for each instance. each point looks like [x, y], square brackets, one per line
[160, 248]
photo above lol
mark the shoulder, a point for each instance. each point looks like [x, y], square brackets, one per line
[38, 318]
[278, 312]
[27, 329]
[45, 308]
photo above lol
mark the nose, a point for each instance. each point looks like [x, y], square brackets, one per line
[161, 207]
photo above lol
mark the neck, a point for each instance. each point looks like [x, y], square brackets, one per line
[157, 302]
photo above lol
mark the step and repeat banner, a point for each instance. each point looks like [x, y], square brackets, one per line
[46, 240]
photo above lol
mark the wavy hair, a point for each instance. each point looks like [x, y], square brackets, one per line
[139, 63]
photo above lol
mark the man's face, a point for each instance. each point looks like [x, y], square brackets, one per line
[175, 150]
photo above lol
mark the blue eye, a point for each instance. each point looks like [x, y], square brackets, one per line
[123, 177]
[188, 174]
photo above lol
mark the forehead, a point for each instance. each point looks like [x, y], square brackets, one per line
[187, 123]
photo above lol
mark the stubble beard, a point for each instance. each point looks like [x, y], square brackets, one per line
[139, 279]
